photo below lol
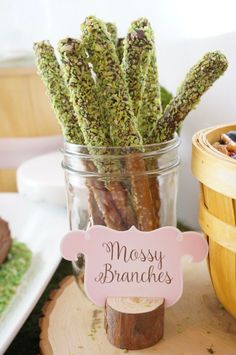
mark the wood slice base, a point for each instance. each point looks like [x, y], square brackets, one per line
[134, 323]
[196, 325]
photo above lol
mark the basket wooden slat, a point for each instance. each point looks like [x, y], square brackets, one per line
[24, 112]
[216, 228]
[217, 213]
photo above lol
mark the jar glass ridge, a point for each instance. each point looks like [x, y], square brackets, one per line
[98, 166]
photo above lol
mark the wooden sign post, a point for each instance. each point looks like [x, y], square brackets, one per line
[134, 275]
[134, 323]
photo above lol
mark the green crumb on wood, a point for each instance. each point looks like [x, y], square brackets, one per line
[210, 350]
[179, 328]
[12, 271]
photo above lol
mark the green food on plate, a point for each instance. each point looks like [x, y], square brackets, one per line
[12, 272]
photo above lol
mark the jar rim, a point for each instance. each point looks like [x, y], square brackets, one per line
[120, 151]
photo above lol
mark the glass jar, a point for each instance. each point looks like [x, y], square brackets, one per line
[120, 187]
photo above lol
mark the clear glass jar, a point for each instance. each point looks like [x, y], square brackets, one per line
[120, 187]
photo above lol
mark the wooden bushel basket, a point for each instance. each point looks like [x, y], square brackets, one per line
[217, 213]
[24, 113]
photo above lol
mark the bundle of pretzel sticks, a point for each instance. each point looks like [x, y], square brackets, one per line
[105, 92]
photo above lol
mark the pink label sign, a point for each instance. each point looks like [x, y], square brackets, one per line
[133, 263]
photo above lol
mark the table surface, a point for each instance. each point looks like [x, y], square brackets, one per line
[196, 325]
[27, 340]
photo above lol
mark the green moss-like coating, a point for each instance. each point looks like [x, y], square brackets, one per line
[200, 77]
[120, 48]
[166, 97]
[83, 92]
[95, 129]
[50, 73]
[111, 82]
[142, 73]
[138, 48]
[12, 272]
[112, 29]
[151, 107]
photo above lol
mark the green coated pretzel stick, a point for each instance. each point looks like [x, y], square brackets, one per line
[139, 63]
[120, 48]
[151, 107]
[149, 114]
[198, 80]
[138, 47]
[112, 29]
[50, 73]
[111, 82]
[121, 117]
[83, 92]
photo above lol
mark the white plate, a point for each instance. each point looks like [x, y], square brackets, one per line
[40, 226]
[42, 179]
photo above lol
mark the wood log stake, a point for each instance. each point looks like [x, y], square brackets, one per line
[134, 323]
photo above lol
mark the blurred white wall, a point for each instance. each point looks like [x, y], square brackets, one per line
[185, 30]
[25, 21]
[217, 106]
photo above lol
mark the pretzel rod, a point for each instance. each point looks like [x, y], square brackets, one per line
[119, 195]
[140, 66]
[151, 108]
[106, 94]
[104, 201]
[150, 112]
[119, 107]
[139, 63]
[94, 211]
[111, 81]
[198, 80]
[155, 100]
[120, 49]
[112, 29]
[141, 193]
[50, 73]
[83, 94]
[155, 191]
[138, 46]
